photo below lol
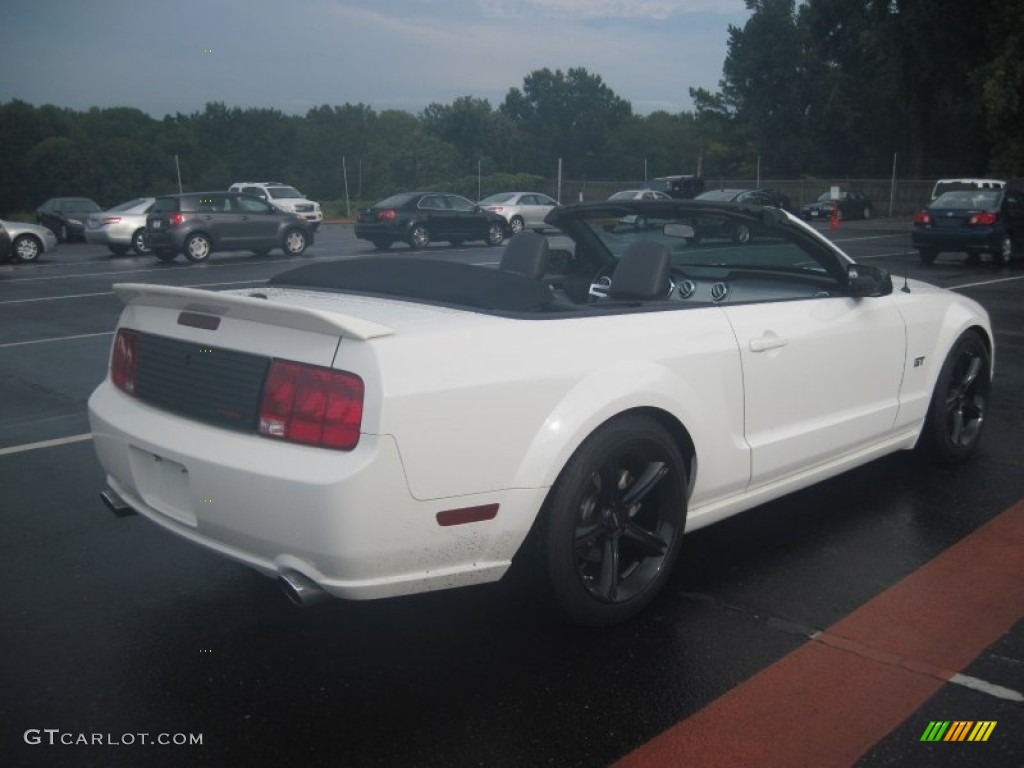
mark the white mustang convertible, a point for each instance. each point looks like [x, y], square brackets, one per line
[389, 425]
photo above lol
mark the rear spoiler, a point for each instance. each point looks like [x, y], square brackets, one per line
[248, 308]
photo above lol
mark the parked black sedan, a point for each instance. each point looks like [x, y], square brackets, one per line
[770, 197]
[419, 218]
[852, 205]
[976, 221]
[65, 216]
[5, 243]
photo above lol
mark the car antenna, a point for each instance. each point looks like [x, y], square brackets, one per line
[906, 260]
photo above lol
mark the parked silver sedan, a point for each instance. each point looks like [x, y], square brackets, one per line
[522, 210]
[120, 227]
[28, 241]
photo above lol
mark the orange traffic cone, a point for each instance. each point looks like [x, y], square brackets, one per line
[833, 223]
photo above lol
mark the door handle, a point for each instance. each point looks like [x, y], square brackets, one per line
[767, 342]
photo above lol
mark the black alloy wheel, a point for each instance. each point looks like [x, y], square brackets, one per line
[613, 522]
[956, 415]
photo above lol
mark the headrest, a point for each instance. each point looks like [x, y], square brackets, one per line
[643, 272]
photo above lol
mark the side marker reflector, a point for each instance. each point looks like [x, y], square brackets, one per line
[467, 515]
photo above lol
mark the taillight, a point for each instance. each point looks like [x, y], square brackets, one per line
[922, 217]
[312, 405]
[984, 219]
[176, 219]
[388, 214]
[111, 219]
[125, 359]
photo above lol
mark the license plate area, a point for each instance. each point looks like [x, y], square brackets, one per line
[164, 485]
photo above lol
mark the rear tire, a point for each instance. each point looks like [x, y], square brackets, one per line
[419, 237]
[959, 403]
[611, 527]
[741, 234]
[198, 248]
[495, 234]
[139, 243]
[517, 224]
[1004, 254]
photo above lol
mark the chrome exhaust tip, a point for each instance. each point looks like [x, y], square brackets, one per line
[300, 590]
[116, 504]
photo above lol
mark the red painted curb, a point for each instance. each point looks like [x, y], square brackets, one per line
[830, 701]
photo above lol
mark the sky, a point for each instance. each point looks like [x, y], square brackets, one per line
[291, 55]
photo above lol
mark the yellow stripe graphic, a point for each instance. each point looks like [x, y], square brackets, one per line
[982, 730]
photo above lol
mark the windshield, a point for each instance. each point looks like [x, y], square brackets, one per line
[80, 206]
[978, 198]
[501, 197]
[706, 240]
[397, 201]
[279, 193]
[627, 195]
[131, 204]
[717, 194]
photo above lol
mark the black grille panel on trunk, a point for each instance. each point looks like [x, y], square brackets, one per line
[218, 386]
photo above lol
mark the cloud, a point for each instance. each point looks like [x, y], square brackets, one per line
[606, 9]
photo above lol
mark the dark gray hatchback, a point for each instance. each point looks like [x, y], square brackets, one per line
[199, 223]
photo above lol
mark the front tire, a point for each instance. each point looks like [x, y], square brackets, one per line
[26, 248]
[741, 234]
[295, 242]
[612, 524]
[959, 403]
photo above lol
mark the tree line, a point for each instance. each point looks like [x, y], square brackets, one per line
[822, 88]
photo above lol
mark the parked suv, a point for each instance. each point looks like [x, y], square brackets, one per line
[199, 223]
[280, 195]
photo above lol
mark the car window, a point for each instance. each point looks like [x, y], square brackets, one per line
[545, 200]
[250, 204]
[966, 198]
[433, 203]
[1014, 203]
[213, 204]
[396, 201]
[277, 193]
[256, 191]
[529, 200]
[164, 204]
[501, 197]
[457, 203]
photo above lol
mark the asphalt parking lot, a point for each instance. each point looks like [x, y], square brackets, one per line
[821, 629]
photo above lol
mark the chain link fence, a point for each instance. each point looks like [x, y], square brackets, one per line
[900, 199]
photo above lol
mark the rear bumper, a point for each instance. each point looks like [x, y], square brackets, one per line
[346, 521]
[956, 239]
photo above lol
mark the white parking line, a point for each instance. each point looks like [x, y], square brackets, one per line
[986, 282]
[55, 338]
[45, 444]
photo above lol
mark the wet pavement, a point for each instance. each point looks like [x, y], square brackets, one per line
[113, 628]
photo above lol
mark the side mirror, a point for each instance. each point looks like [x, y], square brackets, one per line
[863, 280]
